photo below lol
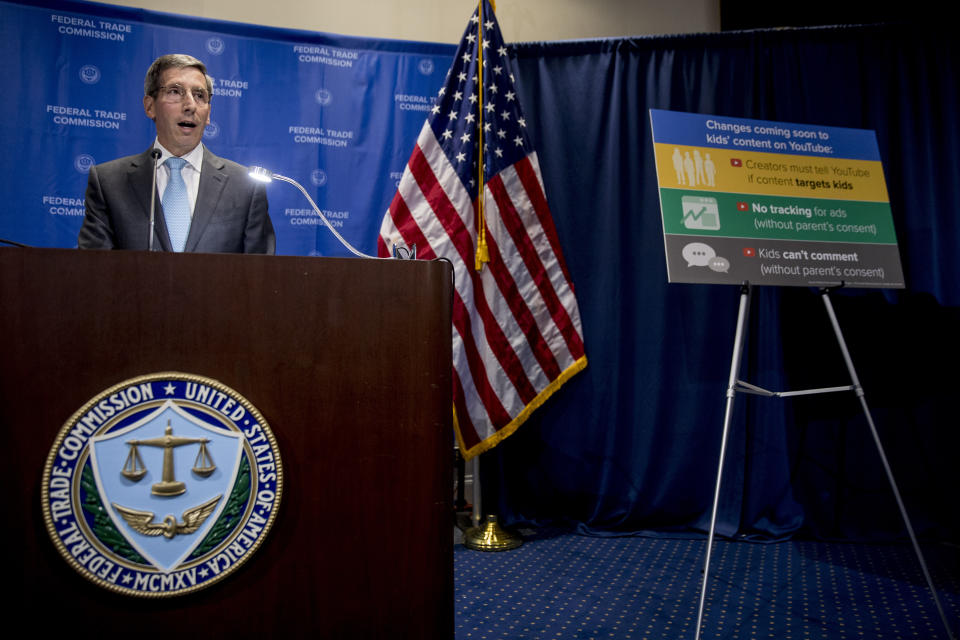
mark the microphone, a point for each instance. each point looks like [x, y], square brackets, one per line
[155, 154]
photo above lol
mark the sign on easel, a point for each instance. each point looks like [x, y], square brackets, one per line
[755, 202]
[773, 203]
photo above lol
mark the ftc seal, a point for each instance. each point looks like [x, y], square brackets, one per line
[162, 485]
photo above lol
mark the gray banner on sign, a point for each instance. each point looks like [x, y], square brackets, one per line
[720, 260]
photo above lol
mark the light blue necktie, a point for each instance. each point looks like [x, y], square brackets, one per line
[176, 206]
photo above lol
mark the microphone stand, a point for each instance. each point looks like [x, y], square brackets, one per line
[155, 154]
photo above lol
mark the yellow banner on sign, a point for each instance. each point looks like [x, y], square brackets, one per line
[729, 170]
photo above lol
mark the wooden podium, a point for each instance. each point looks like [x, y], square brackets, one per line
[348, 360]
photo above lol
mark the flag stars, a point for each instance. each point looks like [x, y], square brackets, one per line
[492, 114]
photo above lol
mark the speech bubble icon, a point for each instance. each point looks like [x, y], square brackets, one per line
[718, 264]
[698, 254]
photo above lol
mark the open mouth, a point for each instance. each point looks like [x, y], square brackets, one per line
[189, 125]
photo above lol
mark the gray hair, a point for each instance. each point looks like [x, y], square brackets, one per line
[151, 83]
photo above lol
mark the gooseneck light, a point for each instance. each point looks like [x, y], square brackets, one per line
[265, 175]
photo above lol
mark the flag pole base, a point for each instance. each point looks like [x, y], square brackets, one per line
[491, 537]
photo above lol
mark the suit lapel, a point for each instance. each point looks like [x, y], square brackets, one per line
[212, 183]
[140, 177]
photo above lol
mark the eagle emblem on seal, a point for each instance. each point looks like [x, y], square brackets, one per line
[143, 521]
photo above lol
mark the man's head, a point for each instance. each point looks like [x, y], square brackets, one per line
[177, 93]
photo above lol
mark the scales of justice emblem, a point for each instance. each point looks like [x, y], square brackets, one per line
[162, 485]
[134, 470]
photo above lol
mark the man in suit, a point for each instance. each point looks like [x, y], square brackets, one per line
[204, 203]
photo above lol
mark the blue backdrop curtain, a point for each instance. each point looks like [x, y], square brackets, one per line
[339, 114]
[632, 443]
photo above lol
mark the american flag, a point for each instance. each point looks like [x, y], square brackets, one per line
[517, 335]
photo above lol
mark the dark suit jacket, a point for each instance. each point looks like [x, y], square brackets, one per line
[230, 215]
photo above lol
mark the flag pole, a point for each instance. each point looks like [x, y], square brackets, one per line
[488, 536]
[483, 252]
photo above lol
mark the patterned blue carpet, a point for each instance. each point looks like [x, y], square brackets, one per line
[562, 586]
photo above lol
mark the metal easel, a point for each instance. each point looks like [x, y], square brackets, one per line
[736, 385]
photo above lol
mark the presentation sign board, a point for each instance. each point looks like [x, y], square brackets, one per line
[772, 203]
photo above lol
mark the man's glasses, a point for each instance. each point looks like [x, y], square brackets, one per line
[178, 93]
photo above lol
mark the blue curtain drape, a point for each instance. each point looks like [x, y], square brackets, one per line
[632, 443]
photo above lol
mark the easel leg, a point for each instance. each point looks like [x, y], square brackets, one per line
[727, 418]
[825, 295]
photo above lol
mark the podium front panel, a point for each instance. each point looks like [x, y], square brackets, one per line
[348, 360]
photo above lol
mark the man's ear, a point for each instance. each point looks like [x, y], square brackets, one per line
[148, 107]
